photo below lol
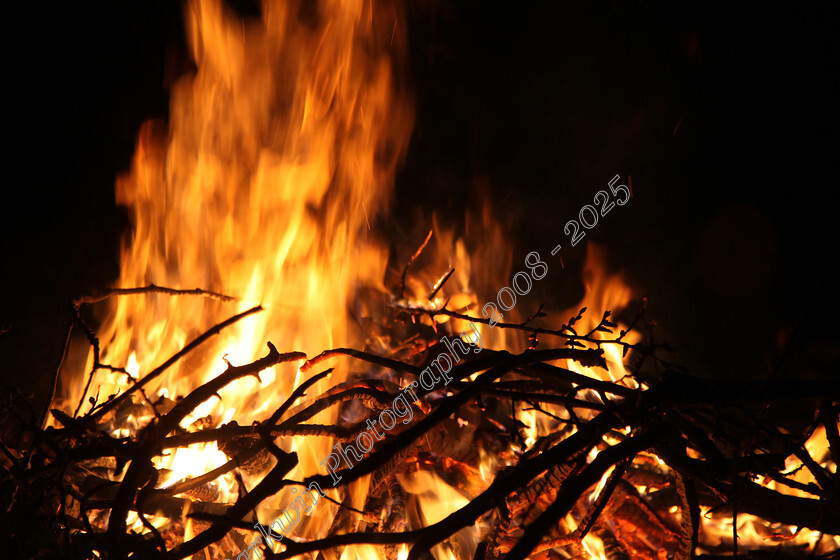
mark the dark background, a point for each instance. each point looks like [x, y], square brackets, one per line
[722, 115]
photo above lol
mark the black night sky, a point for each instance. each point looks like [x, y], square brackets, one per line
[722, 114]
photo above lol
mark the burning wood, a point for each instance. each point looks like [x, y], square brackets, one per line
[623, 469]
[279, 158]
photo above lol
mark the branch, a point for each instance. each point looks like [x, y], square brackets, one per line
[150, 289]
[410, 262]
[359, 355]
[439, 284]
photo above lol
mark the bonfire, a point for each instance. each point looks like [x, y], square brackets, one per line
[271, 378]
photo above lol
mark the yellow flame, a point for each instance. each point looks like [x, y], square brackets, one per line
[604, 292]
[594, 547]
[280, 153]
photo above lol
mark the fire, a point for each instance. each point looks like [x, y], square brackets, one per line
[604, 292]
[594, 547]
[279, 156]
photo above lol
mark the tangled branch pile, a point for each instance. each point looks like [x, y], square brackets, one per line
[632, 463]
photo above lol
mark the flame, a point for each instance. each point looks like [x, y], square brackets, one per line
[279, 155]
[604, 292]
[436, 500]
[594, 547]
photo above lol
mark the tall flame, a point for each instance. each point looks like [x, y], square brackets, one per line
[280, 153]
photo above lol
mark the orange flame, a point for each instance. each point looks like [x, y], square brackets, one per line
[280, 153]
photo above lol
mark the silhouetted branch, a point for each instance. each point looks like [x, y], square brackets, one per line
[150, 289]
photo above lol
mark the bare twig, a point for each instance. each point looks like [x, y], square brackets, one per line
[359, 355]
[410, 262]
[191, 483]
[439, 284]
[266, 487]
[151, 289]
[296, 394]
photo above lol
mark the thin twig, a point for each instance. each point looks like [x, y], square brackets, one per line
[440, 284]
[411, 262]
[359, 355]
[296, 394]
[151, 289]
